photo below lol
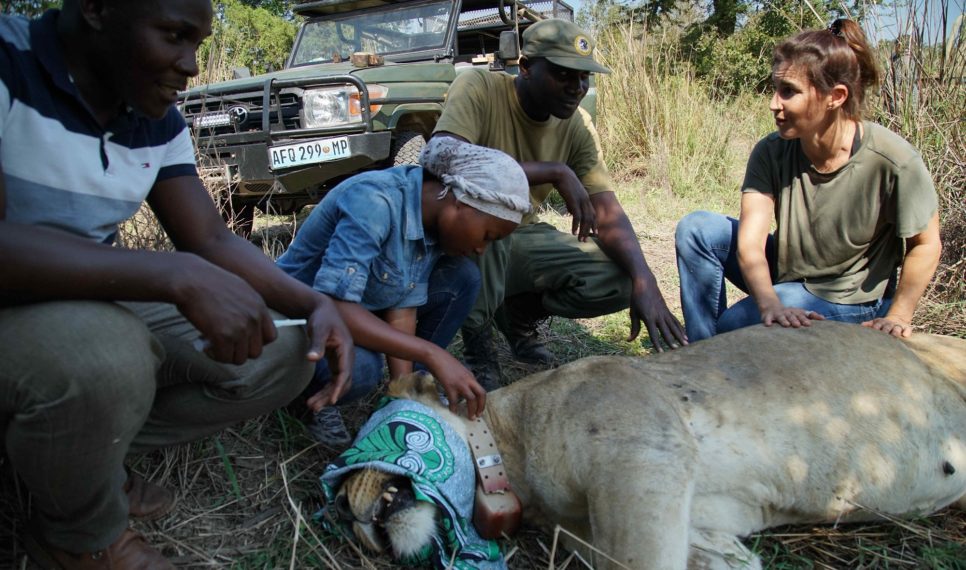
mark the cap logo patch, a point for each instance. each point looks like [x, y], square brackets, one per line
[582, 45]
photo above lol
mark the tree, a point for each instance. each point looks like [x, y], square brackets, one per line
[281, 8]
[29, 8]
[652, 13]
[724, 15]
[732, 46]
[244, 36]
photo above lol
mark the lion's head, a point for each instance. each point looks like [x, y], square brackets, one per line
[382, 511]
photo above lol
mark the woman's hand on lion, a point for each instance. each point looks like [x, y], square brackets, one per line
[788, 316]
[890, 325]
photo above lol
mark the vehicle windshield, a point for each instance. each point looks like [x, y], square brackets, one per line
[401, 30]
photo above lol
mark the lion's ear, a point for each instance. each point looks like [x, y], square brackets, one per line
[410, 386]
[426, 384]
[406, 386]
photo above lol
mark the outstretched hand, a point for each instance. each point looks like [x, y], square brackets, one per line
[648, 304]
[330, 339]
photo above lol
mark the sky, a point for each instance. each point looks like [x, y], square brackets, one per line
[925, 13]
[888, 23]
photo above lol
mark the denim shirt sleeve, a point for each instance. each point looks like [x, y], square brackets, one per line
[416, 298]
[365, 219]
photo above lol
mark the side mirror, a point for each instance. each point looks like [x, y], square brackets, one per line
[509, 46]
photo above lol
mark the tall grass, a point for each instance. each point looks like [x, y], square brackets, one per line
[660, 123]
[923, 98]
[664, 125]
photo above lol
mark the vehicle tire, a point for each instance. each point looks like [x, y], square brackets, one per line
[406, 146]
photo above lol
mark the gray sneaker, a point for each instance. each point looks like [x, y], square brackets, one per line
[327, 428]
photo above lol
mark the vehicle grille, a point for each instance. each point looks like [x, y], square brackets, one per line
[244, 112]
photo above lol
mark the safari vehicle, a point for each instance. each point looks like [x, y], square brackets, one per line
[362, 89]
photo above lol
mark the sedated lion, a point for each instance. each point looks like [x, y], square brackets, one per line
[663, 462]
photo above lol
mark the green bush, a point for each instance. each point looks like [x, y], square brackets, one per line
[742, 61]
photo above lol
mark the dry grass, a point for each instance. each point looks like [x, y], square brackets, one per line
[248, 495]
[922, 98]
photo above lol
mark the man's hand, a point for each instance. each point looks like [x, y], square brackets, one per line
[330, 339]
[648, 304]
[458, 383]
[229, 313]
[571, 189]
[578, 203]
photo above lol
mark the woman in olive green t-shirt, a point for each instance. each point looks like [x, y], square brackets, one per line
[847, 197]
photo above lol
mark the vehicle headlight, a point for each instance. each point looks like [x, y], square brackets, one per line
[333, 106]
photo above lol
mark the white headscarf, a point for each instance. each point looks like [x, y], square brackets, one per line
[484, 178]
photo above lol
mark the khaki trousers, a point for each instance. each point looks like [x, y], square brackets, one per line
[576, 279]
[83, 384]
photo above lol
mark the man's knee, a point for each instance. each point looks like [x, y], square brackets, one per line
[279, 375]
[579, 296]
[87, 363]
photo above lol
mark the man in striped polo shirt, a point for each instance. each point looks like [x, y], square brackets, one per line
[96, 341]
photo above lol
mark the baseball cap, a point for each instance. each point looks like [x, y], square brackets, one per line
[563, 43]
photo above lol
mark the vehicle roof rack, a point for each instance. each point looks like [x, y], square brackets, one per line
[325, 7]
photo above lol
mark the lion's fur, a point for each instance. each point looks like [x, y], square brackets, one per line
[664, 461]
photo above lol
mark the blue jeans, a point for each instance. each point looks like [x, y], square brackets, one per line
[707, 253]
[453, 286]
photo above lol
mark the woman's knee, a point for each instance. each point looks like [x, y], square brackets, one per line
[367, 374]
[467, 275]
[742, 314]
[697, 228]
[458, 276]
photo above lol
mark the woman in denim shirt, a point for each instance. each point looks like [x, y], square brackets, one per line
[390, 247]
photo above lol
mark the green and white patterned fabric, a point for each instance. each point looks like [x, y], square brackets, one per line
[407, 438]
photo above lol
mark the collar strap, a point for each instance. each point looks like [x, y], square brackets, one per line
[486, 457]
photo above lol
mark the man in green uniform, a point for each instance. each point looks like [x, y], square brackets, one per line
[539, 271]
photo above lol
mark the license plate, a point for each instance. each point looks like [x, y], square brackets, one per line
[311, 152]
